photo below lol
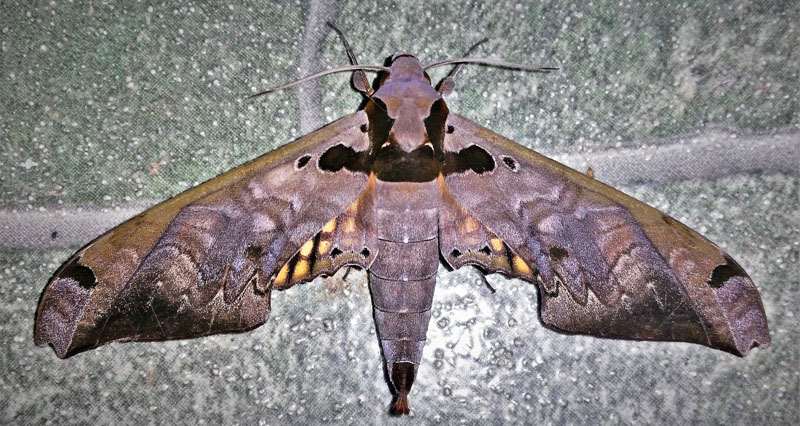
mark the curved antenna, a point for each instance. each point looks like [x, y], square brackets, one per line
[347, 68]
[469, 52]
[489, 61]
[360, 81]
[447, 84]
[347, 48]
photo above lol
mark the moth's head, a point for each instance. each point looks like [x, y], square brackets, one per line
[405, 66]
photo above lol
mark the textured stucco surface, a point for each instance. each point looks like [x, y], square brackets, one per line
[108, 107]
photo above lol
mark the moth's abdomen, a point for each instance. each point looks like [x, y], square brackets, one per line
[403, 276]
[402, 292]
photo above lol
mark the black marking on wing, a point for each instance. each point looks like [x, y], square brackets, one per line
[558, 253]
[339, 156]
[511, 164]
[472, 158]
[83, 275]
[302, 161]
[722, 273]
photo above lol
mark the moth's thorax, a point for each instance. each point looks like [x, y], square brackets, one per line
[408, 95]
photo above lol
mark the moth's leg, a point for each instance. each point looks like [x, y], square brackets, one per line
[359, 77]
[485, 281]
[447, 84]
[347, 272]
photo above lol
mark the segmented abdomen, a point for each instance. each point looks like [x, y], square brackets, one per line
[403, 275]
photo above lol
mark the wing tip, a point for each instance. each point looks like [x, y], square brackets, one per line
[760, 344]
[47, 333]
[750, 332]
[60, 309]
[741, 307]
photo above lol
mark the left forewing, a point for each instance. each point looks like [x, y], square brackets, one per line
[205, 261]
[606, 264]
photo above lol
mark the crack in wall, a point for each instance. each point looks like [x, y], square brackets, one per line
[312, 115]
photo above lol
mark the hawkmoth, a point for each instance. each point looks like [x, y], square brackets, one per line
[394, 188]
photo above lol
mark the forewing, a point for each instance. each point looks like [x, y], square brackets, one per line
[204, 262]
[606, 264]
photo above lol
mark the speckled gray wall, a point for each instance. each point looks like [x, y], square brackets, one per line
[112, 106]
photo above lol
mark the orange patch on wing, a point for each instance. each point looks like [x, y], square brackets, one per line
[283, 274]
[353, 209]
[470, 225]
[350, 224]
[520, 266]
[301, 270]
[306, 248]
[324, 246]
[330, 226]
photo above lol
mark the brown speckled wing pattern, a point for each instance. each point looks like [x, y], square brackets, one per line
[204, 261]
[606, 264]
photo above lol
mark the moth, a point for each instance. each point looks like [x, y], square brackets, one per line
[393, 188]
